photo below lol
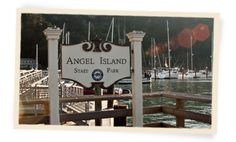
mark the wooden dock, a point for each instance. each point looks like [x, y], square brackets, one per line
[178, 110]
[93, 110]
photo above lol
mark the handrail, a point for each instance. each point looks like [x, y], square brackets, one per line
[123, 113]
[187, 114]
[203, 99]
[178, 95]
[39, 81]
[177, 111]
[96, 114]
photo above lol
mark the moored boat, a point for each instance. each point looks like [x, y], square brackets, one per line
[129, 81]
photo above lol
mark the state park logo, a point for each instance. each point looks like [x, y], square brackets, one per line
[97, 75]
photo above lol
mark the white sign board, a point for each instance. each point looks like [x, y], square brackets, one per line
[94, 62]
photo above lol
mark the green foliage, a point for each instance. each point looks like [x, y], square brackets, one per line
[32, 26]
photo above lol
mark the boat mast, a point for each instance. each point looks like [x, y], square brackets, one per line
[112, 30]
[62, 43]
[124, 32]
[158, 56]
[154, 53]
[36, 58]
[212, 45]
[121, 34]
[191, 50]
[67, 37]
[89, 31]
[168, 44]
[187, 61]
[63, 34]
[152, 57]
[118, 34]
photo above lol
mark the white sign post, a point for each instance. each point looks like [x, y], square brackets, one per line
[53, 35]
[136, 37]
[95, 62]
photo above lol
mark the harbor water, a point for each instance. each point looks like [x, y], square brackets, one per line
[189, 86]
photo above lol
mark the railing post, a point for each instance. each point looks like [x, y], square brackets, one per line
[46, 108]
[35, 97]
[60, 96]
[136, 38]
[110, 90]
[120, 121]
[98, 104]
[179, 119]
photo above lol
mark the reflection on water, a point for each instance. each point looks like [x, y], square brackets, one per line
[178, 85]
[193, 87]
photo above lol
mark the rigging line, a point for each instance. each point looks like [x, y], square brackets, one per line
[111, 27]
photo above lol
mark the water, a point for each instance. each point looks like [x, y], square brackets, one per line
[192, 87]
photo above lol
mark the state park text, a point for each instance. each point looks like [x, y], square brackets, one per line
[91, 61]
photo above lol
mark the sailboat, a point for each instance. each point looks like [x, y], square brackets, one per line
[190, 73]
[168, 72]
[153, 71]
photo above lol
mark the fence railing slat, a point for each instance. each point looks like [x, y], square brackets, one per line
[187, 114]
[177, 111]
